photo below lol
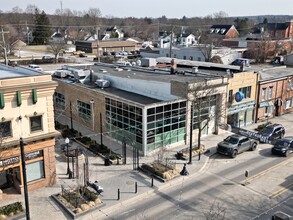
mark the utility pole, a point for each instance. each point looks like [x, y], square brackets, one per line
[171, 42]
[27, 33]
[98, 43]
[4, 45]
[27, 211]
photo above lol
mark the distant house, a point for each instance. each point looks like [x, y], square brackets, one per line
[57, 36]
[165, 38]
[193, 53]
[226, 31]
[186, 39]
[275, 30]
[139, 42]
[113, 32]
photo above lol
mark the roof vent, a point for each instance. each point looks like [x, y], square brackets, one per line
[102, 83]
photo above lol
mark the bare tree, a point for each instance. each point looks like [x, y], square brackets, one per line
[216, 211]
[207, 105]
[56, 46]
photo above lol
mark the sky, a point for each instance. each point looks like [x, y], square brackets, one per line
[159, 8]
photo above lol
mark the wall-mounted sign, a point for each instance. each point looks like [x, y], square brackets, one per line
[239, 96]
[33, 155]
[9, 161]
[16, 159]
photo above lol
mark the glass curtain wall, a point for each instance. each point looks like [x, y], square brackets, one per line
[124, 122]
[165, 125]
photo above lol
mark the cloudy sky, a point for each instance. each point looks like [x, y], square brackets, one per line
[158, 8]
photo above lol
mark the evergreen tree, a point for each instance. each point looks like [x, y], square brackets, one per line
[42, 31]
[242, 26]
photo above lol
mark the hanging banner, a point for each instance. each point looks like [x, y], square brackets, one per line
[246, 133]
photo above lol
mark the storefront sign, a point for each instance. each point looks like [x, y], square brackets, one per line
[14, 160]
[9, 161]
[33, 155]
[239, 96]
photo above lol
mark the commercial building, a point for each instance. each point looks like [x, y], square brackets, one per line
[147, 108]
[26, 111]
[242, 98]
[275, 92]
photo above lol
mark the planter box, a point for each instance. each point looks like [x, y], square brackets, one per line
[184, 153]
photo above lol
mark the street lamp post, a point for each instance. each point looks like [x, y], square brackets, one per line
[67, 154]
[93, 113]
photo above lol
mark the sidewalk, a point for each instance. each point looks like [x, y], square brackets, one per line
[116, 177]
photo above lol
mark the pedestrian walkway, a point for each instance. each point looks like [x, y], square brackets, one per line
[115, 177]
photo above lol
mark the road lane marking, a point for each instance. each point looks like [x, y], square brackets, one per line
[258, 175]
[281, 191]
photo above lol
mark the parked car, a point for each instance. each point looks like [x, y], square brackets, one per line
[273, 131]
[35, 67]
[77, 52]
[105, 53]
[283, 146]
[47, 59]
[82, 55]
[235, 144]
[12, 62]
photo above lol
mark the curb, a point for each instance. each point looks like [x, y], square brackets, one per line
[164, 186]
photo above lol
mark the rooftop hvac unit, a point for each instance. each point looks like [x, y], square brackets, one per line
[195, 69]
[102, 83]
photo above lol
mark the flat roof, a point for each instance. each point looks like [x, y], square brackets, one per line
[111, 91]
[151, 74]
[275, 73]
[7, 72]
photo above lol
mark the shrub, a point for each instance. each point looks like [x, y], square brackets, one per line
[11, 208]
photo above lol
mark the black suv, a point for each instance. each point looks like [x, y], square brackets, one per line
[283, 146]
[273, 131]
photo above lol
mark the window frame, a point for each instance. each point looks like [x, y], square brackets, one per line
[8, 133]
[263, 94]
[32, 128]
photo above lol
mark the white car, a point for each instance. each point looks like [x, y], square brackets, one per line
[35, 67]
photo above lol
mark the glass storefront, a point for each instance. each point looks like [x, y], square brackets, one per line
[166, 125]
[124, 122]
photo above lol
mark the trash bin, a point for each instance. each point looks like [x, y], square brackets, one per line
[107, 161]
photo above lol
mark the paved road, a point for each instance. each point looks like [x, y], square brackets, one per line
[223, 186]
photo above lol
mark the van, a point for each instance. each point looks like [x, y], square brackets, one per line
[239, 61]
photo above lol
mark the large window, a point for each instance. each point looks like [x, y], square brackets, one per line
[84, 110]
[5, 129]
[36, 123]
[124, 122]
[246, 92]
[166, 124]
[59, 101]
[35, 171]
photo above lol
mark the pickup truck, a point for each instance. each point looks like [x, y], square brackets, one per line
[235, 144]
